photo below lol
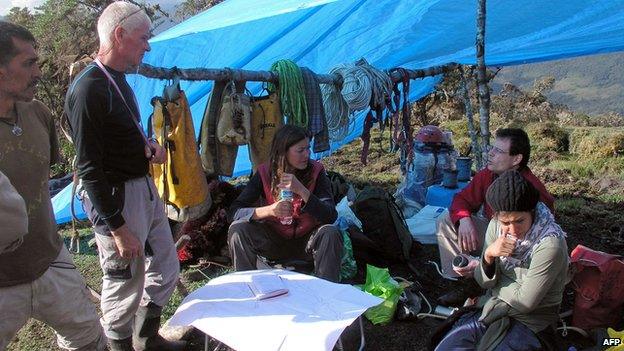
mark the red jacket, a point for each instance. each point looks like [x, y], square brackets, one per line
[470, 199]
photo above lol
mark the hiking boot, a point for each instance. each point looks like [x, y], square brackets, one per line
[463, 290]
[146, 337]
[120, 345]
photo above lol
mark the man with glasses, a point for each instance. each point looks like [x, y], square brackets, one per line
[461, 230]
[136, 248]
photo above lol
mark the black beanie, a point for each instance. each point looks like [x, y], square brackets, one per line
[510, 192]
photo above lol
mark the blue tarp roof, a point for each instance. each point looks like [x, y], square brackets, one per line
[321, 34]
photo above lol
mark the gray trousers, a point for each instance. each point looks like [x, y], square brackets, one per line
[448, 241]
[129, 283]
[60, 299]
[324, 245]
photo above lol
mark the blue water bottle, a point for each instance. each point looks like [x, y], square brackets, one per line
[286, 195]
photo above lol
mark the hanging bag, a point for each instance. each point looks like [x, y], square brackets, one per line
[234, 126]
[180, 180]
[216, 158]
[265, 121]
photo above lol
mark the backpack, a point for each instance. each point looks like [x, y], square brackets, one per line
[234, 125]
[598, 278]
[180, 180]
[339, 185]
[383, 223]
[266, 120]
[216, 158]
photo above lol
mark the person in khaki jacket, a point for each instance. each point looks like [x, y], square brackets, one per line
[38, 278]
[523, 266]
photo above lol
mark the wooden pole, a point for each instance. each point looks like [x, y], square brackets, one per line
[476, 150]
[484, 91]
[225, 74]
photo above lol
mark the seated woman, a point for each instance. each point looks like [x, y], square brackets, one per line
[524, 267]
[257, 230]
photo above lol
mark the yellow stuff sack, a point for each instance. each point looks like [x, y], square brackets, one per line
[265, 121]
[181, 180]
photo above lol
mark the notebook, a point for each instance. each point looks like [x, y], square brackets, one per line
[267, 285]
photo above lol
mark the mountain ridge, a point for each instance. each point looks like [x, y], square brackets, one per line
[593, 84]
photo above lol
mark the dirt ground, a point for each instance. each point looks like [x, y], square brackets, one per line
[587, 221]
[598, 226]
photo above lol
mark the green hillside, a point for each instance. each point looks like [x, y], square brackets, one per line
[591, 84]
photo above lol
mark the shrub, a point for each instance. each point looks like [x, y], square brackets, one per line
[597, 143]
[548, 137]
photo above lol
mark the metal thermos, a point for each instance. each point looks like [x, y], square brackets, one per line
[444, 311]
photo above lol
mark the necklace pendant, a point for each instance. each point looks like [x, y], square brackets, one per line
[17, 130]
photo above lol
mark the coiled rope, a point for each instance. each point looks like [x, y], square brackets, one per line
[356, 86]
[381, 84]
[363, 86]
[291, 92]
[336, 111]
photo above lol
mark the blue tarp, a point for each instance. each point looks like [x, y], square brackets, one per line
[321, 34]
[61, 204]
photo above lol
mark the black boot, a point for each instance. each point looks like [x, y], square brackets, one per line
[120, 345]
[464, 289]
[146, 337]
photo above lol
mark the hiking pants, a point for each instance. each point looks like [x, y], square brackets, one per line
[468, 331]
[138, 281]
[60, 299]
[448, 241]
[324, 245]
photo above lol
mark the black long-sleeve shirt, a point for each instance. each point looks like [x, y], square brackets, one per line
[109, 146]
[320, 203]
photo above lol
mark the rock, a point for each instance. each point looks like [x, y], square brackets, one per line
[176, 333]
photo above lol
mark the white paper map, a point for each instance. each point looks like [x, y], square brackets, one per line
[267, 285]
[310, 317]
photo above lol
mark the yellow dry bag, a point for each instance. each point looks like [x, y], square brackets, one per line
[181, 181]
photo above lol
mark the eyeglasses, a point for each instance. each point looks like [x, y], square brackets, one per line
[496, 150]
[129, 15]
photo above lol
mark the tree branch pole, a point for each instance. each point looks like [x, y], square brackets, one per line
[484, 91]
[476, 150]
[226, 74]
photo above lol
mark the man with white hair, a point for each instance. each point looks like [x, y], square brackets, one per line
[38, 278]
[136, 248]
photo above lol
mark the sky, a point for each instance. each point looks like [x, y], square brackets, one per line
[6, 5]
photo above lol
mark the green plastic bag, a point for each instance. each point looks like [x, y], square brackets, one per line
[348, 267]
[380, 284]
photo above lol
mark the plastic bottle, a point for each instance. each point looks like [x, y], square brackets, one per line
[286, 195]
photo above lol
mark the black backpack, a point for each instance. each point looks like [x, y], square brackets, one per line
[339, 186]
[383, 224]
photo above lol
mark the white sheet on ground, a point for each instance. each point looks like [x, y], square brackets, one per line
[310, 317]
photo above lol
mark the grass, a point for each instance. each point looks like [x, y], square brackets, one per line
[569, 205]
[588, 191]
[37, 336]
